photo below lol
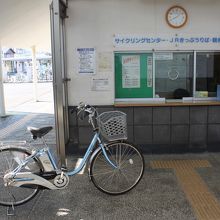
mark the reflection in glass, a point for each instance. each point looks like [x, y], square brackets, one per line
[174, 75]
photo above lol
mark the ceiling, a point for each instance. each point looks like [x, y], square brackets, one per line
[25, 23]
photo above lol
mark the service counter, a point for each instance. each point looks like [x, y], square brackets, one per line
[166, 104]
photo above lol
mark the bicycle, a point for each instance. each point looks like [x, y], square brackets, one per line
[115, 167]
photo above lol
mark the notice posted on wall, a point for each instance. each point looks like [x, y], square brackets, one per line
[105, 62]
[131, 71]
[149, 72]
[100, 84]
[86, 60]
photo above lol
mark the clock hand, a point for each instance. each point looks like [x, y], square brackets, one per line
[174, 17]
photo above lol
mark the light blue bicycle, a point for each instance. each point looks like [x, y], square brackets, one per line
[115, 167]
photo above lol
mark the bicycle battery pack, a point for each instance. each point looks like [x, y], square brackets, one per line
[46, 162]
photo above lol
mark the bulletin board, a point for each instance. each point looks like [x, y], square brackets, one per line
[133, 75]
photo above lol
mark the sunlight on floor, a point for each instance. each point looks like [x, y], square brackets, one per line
[63, 212]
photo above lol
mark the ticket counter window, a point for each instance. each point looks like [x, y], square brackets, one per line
[207, 74]
[169, 75]
[174, 75]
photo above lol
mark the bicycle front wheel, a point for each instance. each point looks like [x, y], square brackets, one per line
[129, 171]
[10, 158]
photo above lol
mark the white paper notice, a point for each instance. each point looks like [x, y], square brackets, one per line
[105, 62]
[131, 71]
[149, 72]
[100, 84]
[86, 60]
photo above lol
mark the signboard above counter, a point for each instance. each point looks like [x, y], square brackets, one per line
[167, 42]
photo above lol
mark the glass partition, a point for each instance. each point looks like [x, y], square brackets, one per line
[174, 75]
[207, 74]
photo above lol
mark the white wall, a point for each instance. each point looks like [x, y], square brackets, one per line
[94, 23]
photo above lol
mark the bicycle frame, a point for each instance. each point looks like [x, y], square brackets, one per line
[28, 178]
[88, 153]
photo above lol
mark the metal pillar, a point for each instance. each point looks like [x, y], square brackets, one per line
[34, 72]
[58, 14]
[2, 100]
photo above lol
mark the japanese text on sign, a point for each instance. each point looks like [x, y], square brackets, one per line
[86, 60]
[144, 40]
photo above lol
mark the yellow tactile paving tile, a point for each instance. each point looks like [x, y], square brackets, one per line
[202, 200]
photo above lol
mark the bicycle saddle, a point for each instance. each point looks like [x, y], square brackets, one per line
[39, 132]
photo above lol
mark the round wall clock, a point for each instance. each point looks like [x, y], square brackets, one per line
[176, 16]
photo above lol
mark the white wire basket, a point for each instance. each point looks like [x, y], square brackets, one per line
[113, 125]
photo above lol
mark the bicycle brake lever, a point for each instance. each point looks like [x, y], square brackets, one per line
[72, 111]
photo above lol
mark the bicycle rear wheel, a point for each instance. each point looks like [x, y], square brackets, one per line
[130, 163]
[10, 158]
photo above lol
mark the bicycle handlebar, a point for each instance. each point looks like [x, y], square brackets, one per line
[84, 110]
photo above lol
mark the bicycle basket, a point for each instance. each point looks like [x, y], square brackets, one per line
[112, 125]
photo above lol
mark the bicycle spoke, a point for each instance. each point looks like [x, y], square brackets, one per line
[127, 154]
[13, 161]
[112, 158]
[7, 162]
[112, 179]
[4, 162]
[10, 193]
[125, 177]
[102, 173]
[126, 147]
[119, 155]
[104, 163]
[107, 179]
[128, 174]
[125, 159]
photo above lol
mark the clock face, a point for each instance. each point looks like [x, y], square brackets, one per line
[176, 16]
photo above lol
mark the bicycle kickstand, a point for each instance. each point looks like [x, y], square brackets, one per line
[11, 210]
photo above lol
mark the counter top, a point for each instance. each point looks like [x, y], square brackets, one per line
[152, 104]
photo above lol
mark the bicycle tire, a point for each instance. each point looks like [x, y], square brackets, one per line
[107, 179]
[9, 159]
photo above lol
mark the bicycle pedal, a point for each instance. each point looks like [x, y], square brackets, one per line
[10, 211]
